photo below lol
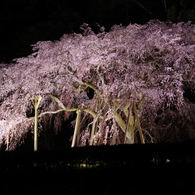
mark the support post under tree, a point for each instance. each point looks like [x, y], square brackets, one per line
[36, 101]
[77, 128]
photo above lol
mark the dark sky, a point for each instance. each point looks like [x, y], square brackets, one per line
[24, 22]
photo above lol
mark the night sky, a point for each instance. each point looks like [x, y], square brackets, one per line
[24, 22]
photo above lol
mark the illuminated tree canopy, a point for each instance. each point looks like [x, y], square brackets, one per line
[142, 77]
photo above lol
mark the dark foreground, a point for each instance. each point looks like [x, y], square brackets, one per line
[138, 169]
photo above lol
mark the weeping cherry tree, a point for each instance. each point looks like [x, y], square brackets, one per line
[141, 76]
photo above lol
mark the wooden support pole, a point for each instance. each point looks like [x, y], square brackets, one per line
[36, 130]
[76, 129]
[36, 101]
[94, 126]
